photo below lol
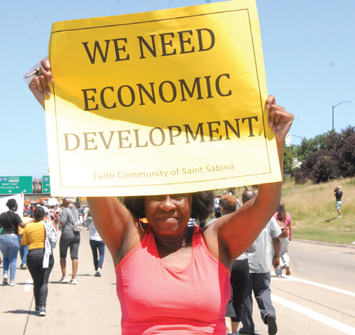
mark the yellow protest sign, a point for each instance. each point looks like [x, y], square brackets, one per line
[161, 102]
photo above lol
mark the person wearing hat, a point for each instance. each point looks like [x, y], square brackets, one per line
[338, 193]
[69, 239]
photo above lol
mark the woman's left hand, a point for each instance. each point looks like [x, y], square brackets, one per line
[39, 85]
[280, 121]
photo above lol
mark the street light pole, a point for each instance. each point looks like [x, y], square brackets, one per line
[301, 137]
[343, 102]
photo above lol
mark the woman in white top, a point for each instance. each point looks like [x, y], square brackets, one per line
[96, 244]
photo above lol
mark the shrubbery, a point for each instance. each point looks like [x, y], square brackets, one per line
[326, 157]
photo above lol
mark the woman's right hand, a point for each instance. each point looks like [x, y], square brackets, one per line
[39, 85]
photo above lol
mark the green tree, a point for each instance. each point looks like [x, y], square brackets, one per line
[327, 156]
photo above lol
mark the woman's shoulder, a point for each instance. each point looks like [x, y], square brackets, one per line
[33, 225]
[14, 216]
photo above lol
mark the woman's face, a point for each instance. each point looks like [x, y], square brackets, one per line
[168, 214]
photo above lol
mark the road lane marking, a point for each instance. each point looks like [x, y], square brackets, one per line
[28, 286]
[352, 294]
[314, 315]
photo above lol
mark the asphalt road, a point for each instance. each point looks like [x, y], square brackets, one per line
[318, 297]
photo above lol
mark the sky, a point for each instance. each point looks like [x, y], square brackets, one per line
[308, 52]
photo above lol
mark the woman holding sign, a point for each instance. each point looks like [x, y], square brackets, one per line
[173, 278]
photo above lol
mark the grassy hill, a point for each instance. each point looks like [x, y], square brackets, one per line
[312, 208]
[313, 213]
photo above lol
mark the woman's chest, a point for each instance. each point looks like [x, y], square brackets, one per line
[178, 260]
[150, 287]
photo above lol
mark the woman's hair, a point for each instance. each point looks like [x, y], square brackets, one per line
[282, 214]
[201, 208]
[11, 203]
[229, 203]
[38, 213]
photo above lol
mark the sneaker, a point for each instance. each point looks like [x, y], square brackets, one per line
[63, 280]
[98, 273]
[5, 279]
[339, 216]
[23, 266]
[73, 282]
[271, 324]
[42, 311]
[12, 283]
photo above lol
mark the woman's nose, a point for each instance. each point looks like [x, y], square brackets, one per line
[168, 204]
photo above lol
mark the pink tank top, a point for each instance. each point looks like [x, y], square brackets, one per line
[156, 299]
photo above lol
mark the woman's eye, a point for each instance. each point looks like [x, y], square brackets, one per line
[178, 196]
[162, 198]
[157, 197]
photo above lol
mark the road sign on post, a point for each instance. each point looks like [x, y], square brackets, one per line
[15, 185]
[46, 187]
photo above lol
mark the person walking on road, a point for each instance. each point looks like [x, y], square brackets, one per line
[41, 238]
[260, 277]
[10, 240]
[284, 220]
[24, 248]
[239, 273]
[96, 243]
[338, 193]
[69, 239]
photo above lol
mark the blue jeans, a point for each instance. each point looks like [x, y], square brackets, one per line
[23, 253]
[10, 245]
[98, 245]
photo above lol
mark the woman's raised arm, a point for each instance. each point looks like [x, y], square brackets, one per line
[115, 224]
[232, 234]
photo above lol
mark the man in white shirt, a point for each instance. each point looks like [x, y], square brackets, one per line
[260, 277]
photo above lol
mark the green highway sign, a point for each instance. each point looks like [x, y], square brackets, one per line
[46, 187]
[15, 185]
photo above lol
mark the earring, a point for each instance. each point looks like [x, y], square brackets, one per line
[140, 225]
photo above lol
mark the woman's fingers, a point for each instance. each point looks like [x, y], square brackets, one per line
[35, 84]
[278, 113]
[279, 120]
[45, 70]
[39, 85]
[270, 101]
[45, 77]
[44, 84]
